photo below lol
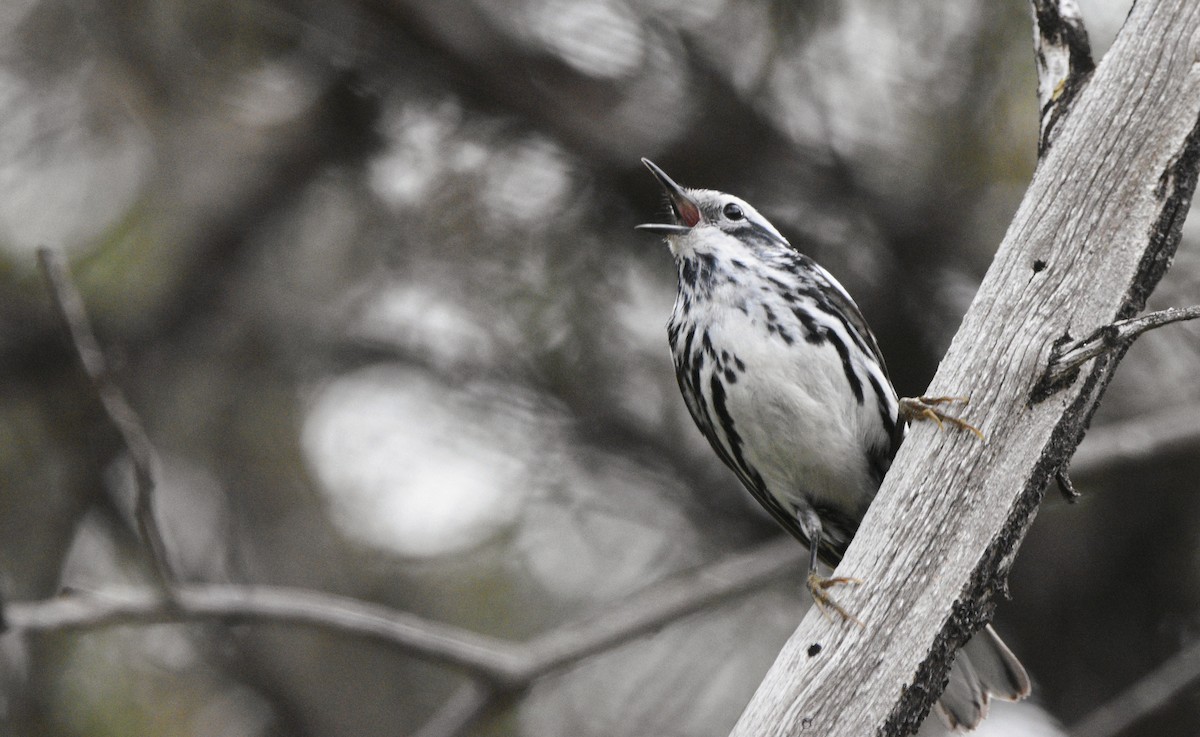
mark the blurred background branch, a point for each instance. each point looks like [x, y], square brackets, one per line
[506, 663]
[1152, 692]
[125, 421]
[505, 669]
[1157, 437]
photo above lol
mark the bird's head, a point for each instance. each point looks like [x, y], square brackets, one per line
[706, 220]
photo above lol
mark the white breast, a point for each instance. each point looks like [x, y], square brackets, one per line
[801, 426]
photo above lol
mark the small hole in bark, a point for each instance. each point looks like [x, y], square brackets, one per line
[1039, 265]
[814, 649]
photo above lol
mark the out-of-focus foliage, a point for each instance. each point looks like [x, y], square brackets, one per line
[367, 270]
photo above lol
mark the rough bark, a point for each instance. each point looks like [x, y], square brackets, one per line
[1094, 234]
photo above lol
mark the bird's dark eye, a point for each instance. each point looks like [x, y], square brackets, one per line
[733, 211]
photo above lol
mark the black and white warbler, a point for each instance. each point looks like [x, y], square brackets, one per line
[783, 377]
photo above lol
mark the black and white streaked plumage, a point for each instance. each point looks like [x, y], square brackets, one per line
[784, 378]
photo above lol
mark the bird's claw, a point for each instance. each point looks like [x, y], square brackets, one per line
[818, 585]
[914, 409]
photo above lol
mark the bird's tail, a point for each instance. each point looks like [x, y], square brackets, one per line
[983, 668]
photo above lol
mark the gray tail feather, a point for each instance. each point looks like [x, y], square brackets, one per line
[1001, 674]
[964, 703]
[984, 667]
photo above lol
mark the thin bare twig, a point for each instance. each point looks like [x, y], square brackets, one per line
[1147, 695]
[124, 419]
[1112, 336]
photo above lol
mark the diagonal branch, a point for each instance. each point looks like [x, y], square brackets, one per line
[1092, 237]
[128, 425]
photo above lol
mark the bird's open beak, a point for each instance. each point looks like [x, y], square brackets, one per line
[683, 207]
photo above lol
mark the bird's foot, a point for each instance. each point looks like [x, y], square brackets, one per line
[913, 409]
[818, 586]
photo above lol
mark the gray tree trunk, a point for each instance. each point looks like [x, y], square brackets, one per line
[1093, 236]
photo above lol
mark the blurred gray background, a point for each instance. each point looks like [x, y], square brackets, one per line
[367, 270]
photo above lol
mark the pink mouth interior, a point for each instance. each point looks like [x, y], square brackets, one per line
[689, 214]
